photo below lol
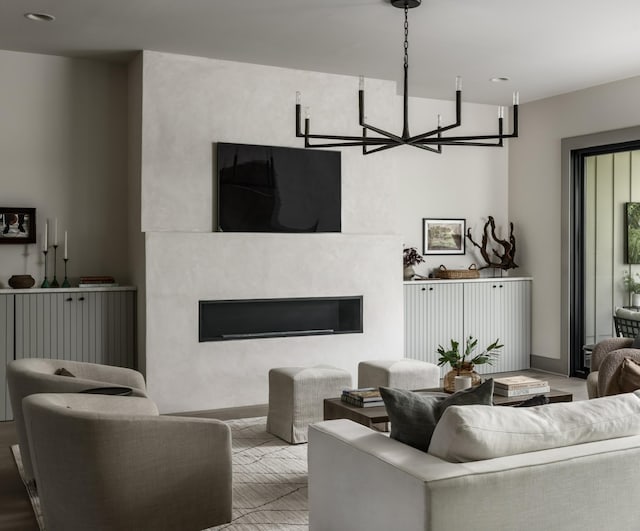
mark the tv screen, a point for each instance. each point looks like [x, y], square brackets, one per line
[278, 189]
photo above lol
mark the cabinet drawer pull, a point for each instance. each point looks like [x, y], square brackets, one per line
[68, 299]
[424, 289]
[430, 289]
[82, 298]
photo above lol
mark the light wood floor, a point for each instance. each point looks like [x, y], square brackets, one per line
[15, 509]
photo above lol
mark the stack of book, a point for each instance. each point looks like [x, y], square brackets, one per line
[519, 386]
[97, 282]
[366, 397]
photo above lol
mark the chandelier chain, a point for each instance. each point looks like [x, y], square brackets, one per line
[406, 36]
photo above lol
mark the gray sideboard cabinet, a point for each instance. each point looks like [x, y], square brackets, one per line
[437, 311]
[96, 325]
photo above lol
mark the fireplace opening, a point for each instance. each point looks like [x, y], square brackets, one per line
[257, 318]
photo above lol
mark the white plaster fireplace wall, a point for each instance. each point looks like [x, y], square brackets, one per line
[188, 104]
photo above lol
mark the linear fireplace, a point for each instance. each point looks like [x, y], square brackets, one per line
[257, 318]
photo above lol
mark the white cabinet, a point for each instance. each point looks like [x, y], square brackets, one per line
[487, 309]
[95, 325]
[500, 310]
[432, 316]
[6, 352]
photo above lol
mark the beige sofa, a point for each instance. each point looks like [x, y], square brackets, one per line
[568, 467]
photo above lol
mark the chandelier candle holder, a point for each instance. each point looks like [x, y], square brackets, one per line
[432, 140]
[54, 282]
[65, 282]
[45, 282]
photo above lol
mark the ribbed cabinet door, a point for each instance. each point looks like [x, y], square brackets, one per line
[500, 310]
[6, 353]
[114, 328]
[432, 316]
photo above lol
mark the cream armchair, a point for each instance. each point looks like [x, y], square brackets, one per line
[37, 375]
[110, 463]
[606, 358]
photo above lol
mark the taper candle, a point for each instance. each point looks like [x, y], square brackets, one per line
[65, 245]
[55, 231]
[46, 233]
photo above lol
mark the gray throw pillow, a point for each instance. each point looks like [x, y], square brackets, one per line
[414, 416]
[636, 342]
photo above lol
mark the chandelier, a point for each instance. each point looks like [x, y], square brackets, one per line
[374, 139]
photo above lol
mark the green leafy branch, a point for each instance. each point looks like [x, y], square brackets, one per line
[457, 360]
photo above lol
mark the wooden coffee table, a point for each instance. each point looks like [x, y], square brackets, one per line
[376, 417]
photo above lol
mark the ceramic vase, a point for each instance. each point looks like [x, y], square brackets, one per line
[21, 281]
[409, 272]
[635, 300]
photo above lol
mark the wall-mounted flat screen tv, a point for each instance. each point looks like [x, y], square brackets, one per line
[278, 189]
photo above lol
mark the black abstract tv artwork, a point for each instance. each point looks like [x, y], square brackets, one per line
[278, 189]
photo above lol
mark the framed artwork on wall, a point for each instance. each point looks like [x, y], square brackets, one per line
[17, 225]
[443, 236]
[632, 225]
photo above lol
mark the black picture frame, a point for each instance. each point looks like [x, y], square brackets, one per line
[443, 236]
[17, 225]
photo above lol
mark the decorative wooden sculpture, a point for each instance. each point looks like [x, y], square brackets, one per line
[507, 258]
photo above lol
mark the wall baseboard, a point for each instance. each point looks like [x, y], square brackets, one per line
[554, 365]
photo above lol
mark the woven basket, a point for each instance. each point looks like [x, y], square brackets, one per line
[472, 272]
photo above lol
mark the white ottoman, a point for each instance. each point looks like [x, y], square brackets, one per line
[399, 373]
[296, 398]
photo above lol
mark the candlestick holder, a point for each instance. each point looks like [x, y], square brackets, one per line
[45, 282]
[65, 282]
[54, 282]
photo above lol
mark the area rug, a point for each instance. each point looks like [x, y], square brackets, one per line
[269, 481]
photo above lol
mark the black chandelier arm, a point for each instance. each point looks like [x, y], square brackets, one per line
[364, 125]
[382, 148]
[455, 124]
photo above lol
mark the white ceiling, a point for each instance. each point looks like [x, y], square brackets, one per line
[545, 47]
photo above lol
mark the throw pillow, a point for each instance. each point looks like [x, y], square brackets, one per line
[64, 372]
[413, 416]
[474, 396]
[538, 400]
[629, 376]
[636, 342]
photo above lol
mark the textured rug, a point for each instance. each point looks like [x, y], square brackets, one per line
[269, 481]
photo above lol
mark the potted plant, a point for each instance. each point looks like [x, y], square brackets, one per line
[410, 258]
[462, 364]
[633, 287]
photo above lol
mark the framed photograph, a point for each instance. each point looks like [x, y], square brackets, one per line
[632, 225]
[443, 236]
[17, 225]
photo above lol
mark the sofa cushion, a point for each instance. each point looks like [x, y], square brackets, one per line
[414, 415]
[473, 433]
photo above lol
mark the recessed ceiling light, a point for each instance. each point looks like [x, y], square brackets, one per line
[500, 79]
[40, 17]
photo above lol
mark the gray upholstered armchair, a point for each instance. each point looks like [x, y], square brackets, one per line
[37, 375]
[606, 358]
[110, 463]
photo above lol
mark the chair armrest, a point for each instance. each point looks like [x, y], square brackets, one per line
[608, 370]
[605, 346]
[108, 374]
[135, 471]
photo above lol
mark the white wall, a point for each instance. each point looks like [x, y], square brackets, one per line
[63, 150]
[190, 103]
[535, 190]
